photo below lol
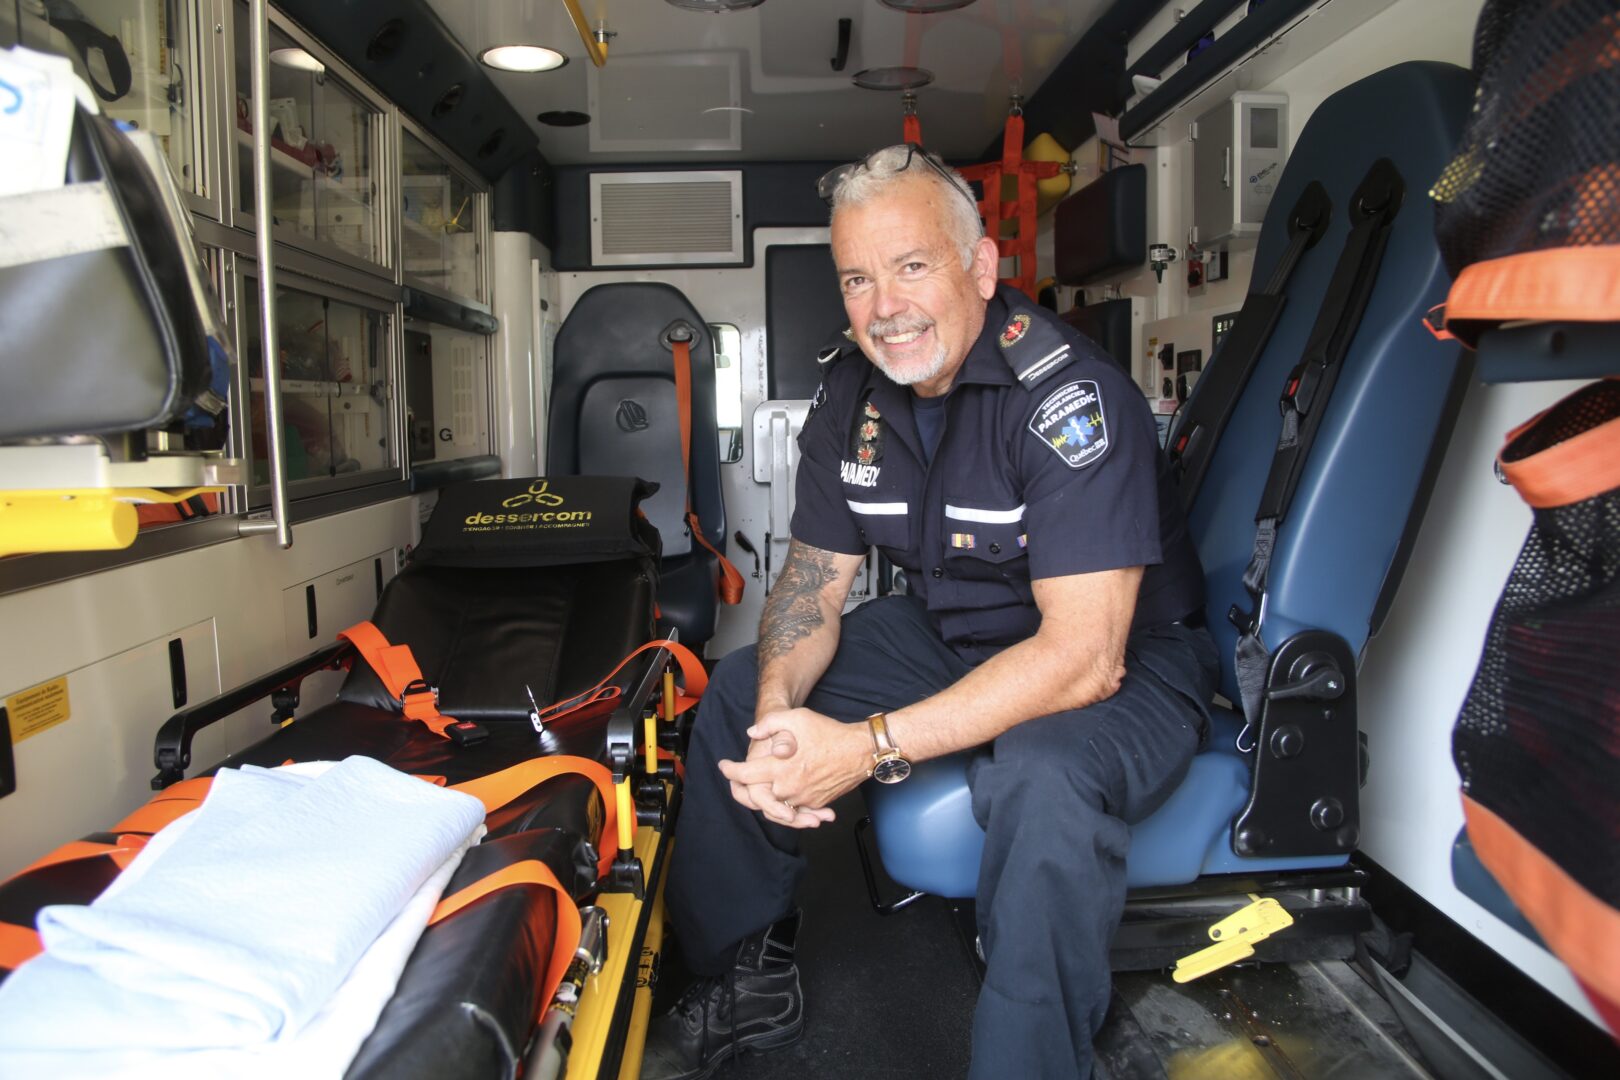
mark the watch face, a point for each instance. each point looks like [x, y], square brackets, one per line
[891, 770]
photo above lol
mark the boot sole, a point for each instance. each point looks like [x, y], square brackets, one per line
[761, 1044]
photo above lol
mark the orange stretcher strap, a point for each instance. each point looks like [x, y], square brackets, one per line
[172, 802]
[397, 669]
[692, 672]
[1581, 930]
[1581, 467]
[122, 853]
[528, 872]
[731, 582]
[19, 944]
[499, 788]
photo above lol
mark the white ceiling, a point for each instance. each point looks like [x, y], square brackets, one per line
[675, 79]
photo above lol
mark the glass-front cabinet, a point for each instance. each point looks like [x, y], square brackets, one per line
[447, 401]
[325, 147]
[336, 360]
[441, 216]
[142, 60]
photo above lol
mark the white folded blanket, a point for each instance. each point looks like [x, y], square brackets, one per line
[236, 931]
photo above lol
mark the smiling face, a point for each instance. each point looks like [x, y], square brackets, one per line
[914, 308]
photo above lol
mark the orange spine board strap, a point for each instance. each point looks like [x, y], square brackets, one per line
[1581, 930]
[527, 872]
[18, 945]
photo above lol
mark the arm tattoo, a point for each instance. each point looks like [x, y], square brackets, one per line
[793, 608]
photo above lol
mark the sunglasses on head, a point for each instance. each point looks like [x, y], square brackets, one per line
[828, 184]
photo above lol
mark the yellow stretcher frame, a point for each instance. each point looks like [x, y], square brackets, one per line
[635, 936]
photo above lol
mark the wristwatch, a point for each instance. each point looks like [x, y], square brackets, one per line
[889, 765]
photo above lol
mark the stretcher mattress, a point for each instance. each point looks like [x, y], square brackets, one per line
[468, 999]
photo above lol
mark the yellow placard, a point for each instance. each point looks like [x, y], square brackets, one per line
[37, 708]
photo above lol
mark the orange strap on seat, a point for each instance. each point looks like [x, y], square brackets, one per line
[527, 872]
[397, 669]
[122, 853]
[731, 582]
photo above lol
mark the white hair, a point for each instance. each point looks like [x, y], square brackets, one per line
[881, 169]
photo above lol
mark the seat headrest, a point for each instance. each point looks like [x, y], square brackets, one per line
[539, 521]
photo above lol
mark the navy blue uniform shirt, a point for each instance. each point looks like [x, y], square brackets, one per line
[1048, 465]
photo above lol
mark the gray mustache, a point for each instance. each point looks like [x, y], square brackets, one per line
[881, 328]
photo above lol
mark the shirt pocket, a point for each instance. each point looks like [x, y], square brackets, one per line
[983, 541]
[888, 524]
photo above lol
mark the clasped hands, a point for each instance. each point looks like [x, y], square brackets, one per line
[798, 763]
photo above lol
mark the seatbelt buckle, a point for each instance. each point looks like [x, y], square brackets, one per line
[466, 733]
[1300, 390]
[413, 693]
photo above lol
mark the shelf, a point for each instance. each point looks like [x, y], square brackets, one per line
[316, 388]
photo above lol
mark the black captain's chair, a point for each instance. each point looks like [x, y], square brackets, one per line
[614, 413]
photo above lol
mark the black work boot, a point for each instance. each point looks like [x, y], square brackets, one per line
[757, 1005]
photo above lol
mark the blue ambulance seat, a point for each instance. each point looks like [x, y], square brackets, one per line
[613, 413]
[1340, 550]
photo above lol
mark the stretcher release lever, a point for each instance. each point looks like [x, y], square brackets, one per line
[1235, 937]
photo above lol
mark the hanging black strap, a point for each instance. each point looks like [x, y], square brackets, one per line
[1205, 416]
[1304, 401]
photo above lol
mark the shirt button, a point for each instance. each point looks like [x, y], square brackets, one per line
[939, 571]
[995, 549]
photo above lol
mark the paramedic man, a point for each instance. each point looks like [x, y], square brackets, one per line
[1013, 472]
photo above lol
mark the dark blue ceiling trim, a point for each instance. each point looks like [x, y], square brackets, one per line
[1260, 22]
[1088, 80]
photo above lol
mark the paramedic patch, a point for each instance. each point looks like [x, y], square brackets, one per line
[1070, 422]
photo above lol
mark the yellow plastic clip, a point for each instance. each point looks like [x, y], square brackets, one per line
[1234, 938]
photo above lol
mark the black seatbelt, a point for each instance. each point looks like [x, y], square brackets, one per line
[1192, 444]
[1304, 401]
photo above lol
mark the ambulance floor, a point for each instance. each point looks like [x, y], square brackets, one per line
[891, 998]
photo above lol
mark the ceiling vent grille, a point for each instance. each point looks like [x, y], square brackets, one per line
[656, 219]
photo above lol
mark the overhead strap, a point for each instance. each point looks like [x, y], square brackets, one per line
[731, 582]
[527, 872]
[1305, 397]
[1206, 414]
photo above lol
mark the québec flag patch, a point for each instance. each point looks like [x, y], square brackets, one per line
[1070, 423]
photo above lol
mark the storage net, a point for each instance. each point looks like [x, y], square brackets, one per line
[1537, 164]
[1538, 741]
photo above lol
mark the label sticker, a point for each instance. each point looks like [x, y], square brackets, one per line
[38, 708]
[1070, 423]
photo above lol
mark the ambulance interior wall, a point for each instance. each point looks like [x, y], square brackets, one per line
[240, 609]
[1416, 672]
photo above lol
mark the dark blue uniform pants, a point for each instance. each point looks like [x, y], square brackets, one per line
[1055, 795]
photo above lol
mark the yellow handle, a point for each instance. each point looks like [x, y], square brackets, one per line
[627, 815]
[34, 521]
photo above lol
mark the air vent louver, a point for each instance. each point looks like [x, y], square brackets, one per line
[650, 219]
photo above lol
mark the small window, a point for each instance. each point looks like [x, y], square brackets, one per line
[728, 389]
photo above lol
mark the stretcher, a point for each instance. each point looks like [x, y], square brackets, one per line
[522, 593]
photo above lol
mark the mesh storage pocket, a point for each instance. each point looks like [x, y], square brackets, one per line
[1536, 166]
[1538, 740]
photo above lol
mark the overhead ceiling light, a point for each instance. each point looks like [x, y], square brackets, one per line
[297, 59]
[522, 58]
[892, 78]
[925, 7]
[729, 108]
[564, 118]
[716, 7]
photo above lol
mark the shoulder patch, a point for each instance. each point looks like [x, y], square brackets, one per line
[1033, 347]
[1070, 423]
